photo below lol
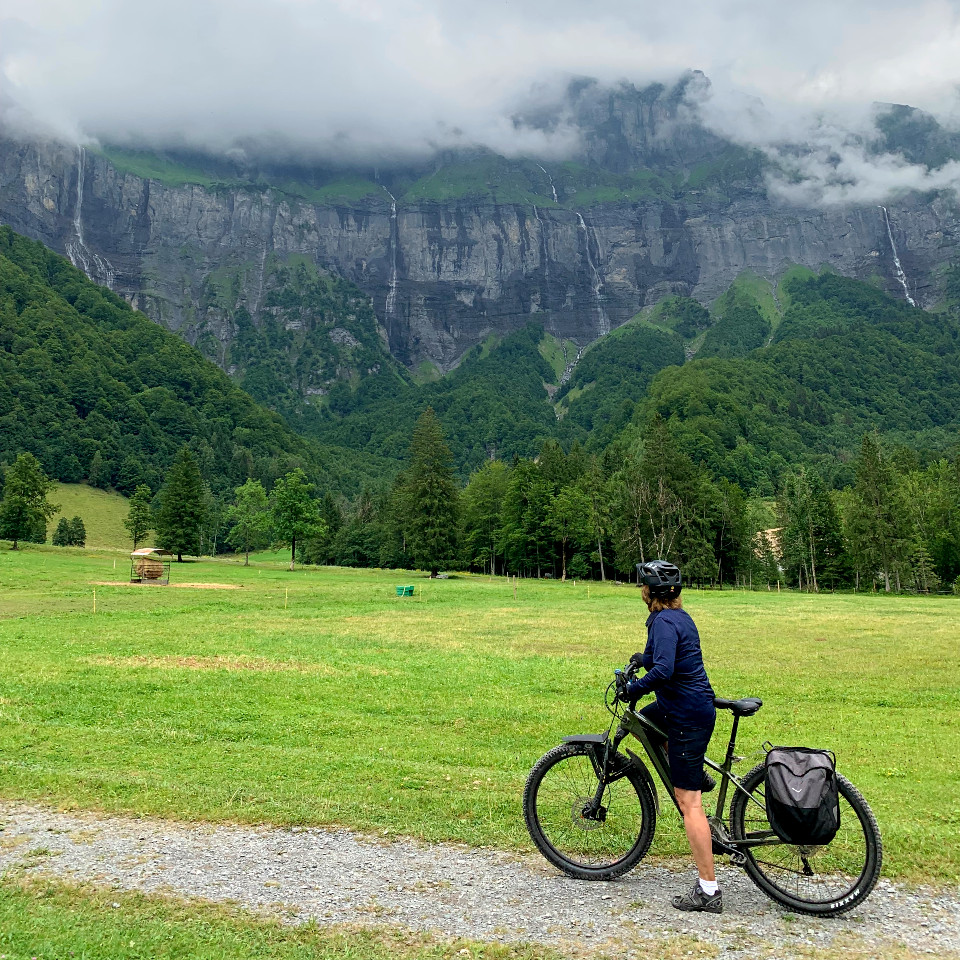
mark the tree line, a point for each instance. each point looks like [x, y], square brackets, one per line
[570, 514]
[566, 514]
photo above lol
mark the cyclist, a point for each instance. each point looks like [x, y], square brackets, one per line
[684, 709]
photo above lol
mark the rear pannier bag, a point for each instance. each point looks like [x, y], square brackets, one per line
[802, 798]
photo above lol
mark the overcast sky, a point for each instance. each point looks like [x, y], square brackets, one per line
[370, 78]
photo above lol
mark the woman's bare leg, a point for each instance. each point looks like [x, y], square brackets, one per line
[698, 831]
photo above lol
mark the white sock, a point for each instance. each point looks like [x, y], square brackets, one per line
[709, 887]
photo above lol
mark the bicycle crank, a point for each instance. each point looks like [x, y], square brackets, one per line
[722, 843]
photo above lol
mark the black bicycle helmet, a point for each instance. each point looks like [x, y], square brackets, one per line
[662, 577]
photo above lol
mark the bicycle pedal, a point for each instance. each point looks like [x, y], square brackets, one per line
[738, 860]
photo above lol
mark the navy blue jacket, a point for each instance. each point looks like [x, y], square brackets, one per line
[675, 671]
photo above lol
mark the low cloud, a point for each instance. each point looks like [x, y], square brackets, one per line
[378, 80]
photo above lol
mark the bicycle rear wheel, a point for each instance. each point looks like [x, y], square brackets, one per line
[826, 879]
[560, 785]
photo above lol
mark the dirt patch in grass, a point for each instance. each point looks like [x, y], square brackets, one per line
[184, 586]
[256, 664]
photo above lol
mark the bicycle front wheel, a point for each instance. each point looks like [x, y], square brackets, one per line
[561, 784]
[827, 879]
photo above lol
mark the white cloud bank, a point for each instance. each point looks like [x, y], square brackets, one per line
[373, 79]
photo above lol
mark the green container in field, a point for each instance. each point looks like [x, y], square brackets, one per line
[405, 591]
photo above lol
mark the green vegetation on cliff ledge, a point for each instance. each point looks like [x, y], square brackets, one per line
[485, 176]
[211, 173]
[499, 180]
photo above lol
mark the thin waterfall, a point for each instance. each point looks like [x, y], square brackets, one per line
[390, 307]
[553, 189]
[603, 322]
[262, 270]
[97, 268]
[544, 252]
[571, 364]
[901, 276]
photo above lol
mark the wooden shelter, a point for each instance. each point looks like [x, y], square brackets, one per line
[150, 565]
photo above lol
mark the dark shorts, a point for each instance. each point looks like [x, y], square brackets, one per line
[686, 748]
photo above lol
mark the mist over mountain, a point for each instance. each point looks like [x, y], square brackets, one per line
[336, 202]
[380, 84]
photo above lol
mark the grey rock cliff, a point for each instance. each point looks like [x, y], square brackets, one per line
[442, 276]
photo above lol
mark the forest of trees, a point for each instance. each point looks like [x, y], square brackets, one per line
[574, 515]
[564, 514]
[100, 394]
[820, 451]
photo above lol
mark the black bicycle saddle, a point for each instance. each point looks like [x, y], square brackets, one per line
[745, 707]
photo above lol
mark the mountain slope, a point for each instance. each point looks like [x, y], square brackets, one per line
[95, 389]
[846, 359]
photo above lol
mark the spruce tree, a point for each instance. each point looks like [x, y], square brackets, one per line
[61, 536]
[78, 533]
[433, 496]
[139, 520]
[25, 509]
[181, 515]
[876, 521]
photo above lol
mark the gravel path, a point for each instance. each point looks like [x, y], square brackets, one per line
[335, 876]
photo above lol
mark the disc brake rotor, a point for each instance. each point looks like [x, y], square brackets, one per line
[579, 820]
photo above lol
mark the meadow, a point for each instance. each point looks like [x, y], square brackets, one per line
[102, 513]
[320, 697]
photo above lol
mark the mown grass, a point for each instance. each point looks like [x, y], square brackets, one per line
[423, 717]
[45, 919]
[102, 513]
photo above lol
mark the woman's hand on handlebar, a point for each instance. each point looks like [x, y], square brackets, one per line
[623, 678]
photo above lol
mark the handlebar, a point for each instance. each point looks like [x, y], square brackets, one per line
[619, 684]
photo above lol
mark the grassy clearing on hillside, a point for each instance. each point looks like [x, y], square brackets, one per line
[762, 292]
[103, 514]
[423, 717]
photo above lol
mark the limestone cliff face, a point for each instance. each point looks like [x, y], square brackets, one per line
[442, 276]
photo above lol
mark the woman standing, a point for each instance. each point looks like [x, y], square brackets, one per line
[684, 710]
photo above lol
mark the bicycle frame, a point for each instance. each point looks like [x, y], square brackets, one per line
[635, 724]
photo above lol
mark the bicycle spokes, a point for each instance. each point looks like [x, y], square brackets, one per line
[812, 874]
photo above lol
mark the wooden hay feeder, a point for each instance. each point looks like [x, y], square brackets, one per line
[150, 565]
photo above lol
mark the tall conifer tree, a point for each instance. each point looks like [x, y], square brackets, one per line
[876, 521]
[181, 515]
[433, 496]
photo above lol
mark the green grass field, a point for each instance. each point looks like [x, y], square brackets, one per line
[46, 919]
[102, 513]
[320, 697]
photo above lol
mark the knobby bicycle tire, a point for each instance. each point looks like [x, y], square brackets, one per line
[560, 784]
[829, 879]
